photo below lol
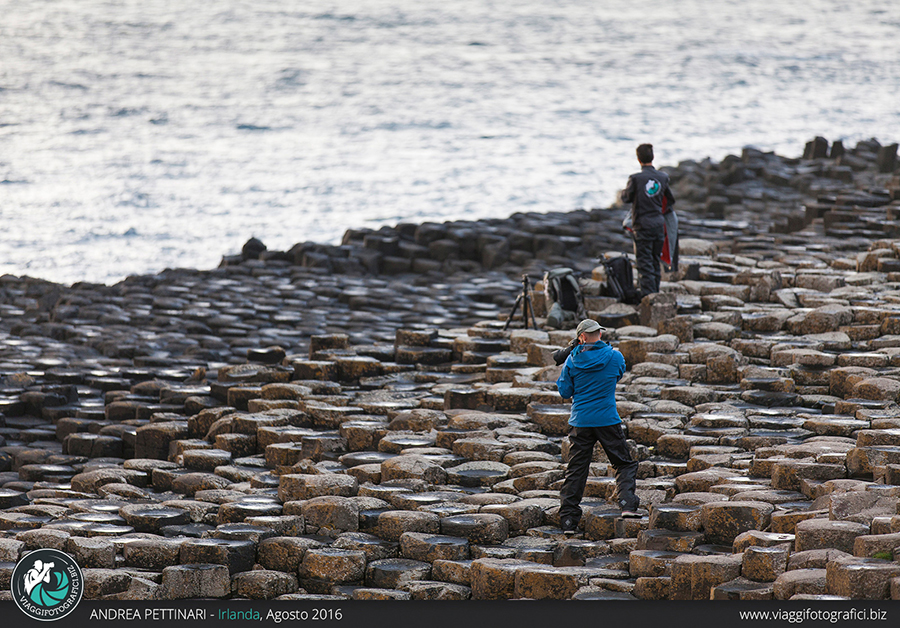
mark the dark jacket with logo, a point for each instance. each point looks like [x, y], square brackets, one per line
[589, 378]
[650, 197]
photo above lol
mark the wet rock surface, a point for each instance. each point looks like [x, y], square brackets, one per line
[355, 421]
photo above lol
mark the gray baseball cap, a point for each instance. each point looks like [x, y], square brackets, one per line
[588, 326]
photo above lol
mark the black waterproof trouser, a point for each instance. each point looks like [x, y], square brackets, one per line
[583, 439]
[648, 246]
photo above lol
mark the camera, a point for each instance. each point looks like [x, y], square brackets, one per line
[560, 355]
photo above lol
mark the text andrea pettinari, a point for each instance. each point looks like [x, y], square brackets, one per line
[153, 614]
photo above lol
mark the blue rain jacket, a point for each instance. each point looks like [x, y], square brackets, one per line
[589, 378]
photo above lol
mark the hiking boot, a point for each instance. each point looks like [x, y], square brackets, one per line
[569, 525]
[630, 510]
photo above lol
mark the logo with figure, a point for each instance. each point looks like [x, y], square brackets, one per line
[47, 584]
[652, 187]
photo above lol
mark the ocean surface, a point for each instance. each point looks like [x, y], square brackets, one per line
[138, 135]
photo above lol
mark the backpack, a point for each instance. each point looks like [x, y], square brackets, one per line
[564, 298]
[620, 280]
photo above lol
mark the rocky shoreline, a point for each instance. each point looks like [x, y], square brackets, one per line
[354, 422]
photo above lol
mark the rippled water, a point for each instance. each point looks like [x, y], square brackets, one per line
[139, 135]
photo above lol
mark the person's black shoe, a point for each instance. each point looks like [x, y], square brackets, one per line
[630, 511]
[569, 525]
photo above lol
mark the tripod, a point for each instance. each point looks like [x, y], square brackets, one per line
[527, 307]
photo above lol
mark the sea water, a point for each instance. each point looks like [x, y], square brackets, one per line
[142, 134]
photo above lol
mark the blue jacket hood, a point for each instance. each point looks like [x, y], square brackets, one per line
[592, 357]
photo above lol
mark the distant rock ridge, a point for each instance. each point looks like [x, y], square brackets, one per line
[833, 191]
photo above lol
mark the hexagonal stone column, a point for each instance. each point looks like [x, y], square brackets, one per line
[153, 554]
[479, 528]
[800, 582]
[520, 517]
[323, 568]
[480, 473]
[236, 555]
[495, 578]
[285, 553]
[92, 552]
[723, 521]
[152, 518]
[693, 577]
[392, 573]
[676, 517]
[195, 581]
[826, 534]
[431, 547]
[263, 584]
[651, 563]
[393, 523]
[297, 486]
[764, 564]
[861, 578]
[546, 582]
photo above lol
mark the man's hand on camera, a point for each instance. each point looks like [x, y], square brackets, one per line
[560, 355]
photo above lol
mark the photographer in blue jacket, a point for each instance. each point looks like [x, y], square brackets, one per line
[589, 378]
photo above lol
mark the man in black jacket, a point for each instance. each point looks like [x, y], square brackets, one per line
[650, 197]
